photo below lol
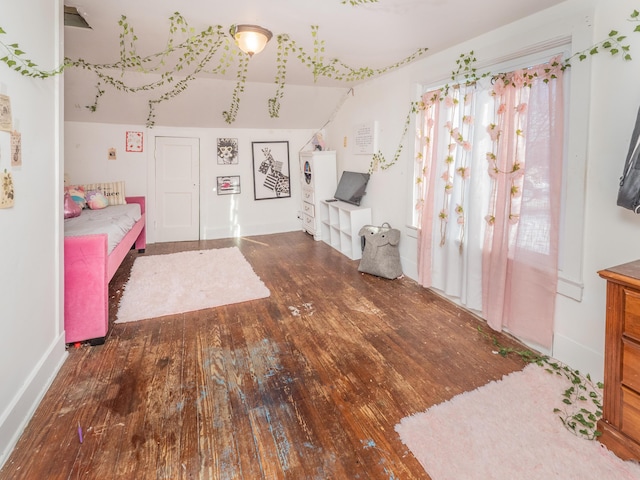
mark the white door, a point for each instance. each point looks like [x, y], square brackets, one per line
[177, 189]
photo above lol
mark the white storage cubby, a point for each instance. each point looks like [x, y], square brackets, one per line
[318, 180]
[340, 224]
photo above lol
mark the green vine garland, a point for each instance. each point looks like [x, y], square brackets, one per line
[199, 50]
[15, 59]
[357, 2]
[466, 73]
[582, 401]
[190, 53]
[319, 67]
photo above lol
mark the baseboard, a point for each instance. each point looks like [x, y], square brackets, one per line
[578, 357]
[15, 418]
[251, 230]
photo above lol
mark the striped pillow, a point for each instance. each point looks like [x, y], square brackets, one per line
[113, 191]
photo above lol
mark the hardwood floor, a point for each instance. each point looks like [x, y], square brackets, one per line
[306, 384]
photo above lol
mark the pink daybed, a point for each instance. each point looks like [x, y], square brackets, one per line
[88, 268]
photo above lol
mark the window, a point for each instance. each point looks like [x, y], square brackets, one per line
[488, 186]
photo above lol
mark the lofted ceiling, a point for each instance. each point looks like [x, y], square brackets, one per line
[371, 34]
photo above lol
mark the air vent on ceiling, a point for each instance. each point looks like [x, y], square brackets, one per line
[72, 18]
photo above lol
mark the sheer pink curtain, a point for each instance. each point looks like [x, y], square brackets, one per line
[516, 200]
[428, 143]
[520, 264]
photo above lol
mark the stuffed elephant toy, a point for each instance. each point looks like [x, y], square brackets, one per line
[380, 256]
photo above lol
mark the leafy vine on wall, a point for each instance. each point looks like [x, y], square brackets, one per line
[321, 67]
[357, 2]
[188, 54]
[466, 73]
[16, 60]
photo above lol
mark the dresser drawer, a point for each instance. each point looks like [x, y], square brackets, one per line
[630, 414]
[631, 314]
[307, 195]
[630, 364]
[308, 209]
[308, 223]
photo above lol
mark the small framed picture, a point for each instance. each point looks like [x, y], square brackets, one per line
[227, 151]
[134, 141]
[271, 170]
[228, 185]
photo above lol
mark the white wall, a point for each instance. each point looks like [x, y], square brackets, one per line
[221, 216]
[31, 323]
[603, 100]
[611, 233]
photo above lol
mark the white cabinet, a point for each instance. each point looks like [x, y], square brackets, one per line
[319, 180]
[340, 223]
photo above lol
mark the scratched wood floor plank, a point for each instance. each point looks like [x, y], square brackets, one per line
[240, 457]
[169, 414]
[306, 384]
[135, 403]
[267, 353]
[186, 403]
[219, 381]
[102, 424]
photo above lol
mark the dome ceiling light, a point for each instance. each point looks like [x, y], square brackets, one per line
[251, 39]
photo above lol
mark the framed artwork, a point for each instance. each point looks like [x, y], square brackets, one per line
[134, 141]
[227, 151]
[271, 177]
[228, 185]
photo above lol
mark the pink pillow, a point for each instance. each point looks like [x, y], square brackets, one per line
[71, 208]
[77, 194]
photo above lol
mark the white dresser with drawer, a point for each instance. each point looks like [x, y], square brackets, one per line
[318, 175]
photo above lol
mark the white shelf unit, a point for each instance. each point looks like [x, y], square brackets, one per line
[340, 223]
[318, 179]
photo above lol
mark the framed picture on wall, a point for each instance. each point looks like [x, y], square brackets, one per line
[228, 185]
[271, 178]
[227, 151]
[134, 142]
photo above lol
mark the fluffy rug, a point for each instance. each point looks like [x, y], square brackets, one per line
[506, 430]
[162, 285]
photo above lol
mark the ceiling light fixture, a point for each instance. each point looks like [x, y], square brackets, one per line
[251, 39]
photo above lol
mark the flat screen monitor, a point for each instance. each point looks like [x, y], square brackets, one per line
[352, 187]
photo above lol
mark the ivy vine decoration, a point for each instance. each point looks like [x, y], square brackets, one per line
[202, 49]
[467, 73]
[16, 60]
[189, 53]
[357, 2]
[319, 66]
[581, 402]
[186, 51]
[379, 161]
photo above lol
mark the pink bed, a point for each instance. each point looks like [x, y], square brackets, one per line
[88, 269]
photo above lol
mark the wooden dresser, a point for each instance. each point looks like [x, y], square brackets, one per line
[620, 422]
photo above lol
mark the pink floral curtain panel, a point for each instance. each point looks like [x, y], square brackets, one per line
[489, 172]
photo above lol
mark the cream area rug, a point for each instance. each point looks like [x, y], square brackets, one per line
[162, 285]
[507, 430]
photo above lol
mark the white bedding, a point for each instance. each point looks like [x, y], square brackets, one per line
[114, 220]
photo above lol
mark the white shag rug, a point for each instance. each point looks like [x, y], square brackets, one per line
[507, 430]
[181, 282]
